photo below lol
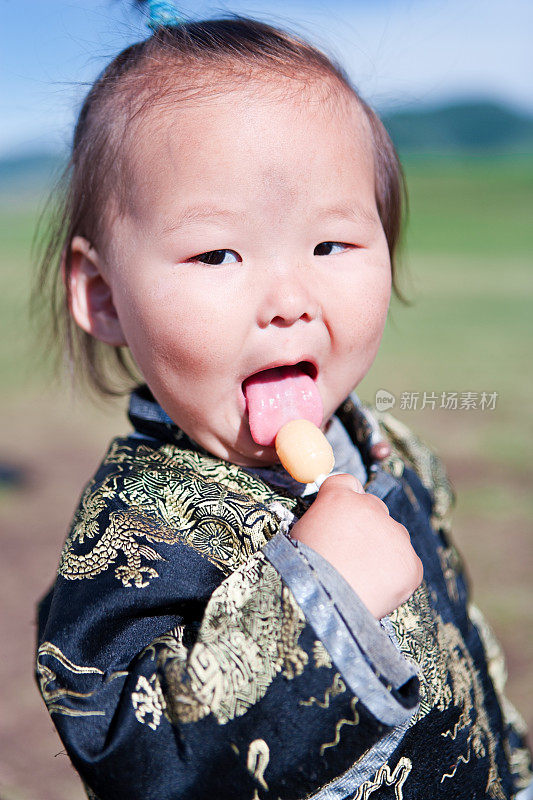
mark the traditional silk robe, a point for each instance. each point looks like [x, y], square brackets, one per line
[191, 649]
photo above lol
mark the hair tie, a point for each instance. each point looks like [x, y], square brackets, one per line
[162, 14]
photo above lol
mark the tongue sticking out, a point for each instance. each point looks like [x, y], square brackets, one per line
[276, 396]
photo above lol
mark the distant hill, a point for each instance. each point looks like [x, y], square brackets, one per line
[461, 127]
[28, 176]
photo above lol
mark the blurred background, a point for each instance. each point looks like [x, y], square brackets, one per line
[452, 81]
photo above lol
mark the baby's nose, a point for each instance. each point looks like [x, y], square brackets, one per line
[289, 297]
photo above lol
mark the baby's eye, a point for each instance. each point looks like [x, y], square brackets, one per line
[327, 248]
[215, 257]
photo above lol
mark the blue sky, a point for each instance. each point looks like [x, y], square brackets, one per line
[397, 52]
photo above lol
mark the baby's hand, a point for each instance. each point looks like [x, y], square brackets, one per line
[355, 533]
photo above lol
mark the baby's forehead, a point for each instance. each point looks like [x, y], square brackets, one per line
[157, 135]
[160, 111]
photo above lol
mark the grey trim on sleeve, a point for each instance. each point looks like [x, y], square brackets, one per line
[350, 640]
[370, 635]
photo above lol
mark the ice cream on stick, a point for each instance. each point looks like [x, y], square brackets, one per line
[304, 451]
[284, 409]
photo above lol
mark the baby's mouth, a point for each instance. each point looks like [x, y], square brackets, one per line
[279, 394]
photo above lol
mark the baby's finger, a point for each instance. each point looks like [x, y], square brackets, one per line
[342, 480]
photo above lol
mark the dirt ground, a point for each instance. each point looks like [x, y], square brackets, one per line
[58, 451]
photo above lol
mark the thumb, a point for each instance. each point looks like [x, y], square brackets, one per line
[342, 480]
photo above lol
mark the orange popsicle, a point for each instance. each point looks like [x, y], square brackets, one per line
[304, 451]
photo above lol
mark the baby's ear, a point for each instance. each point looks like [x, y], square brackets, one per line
[90, 298]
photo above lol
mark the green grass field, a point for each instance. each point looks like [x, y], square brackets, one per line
[467, 268]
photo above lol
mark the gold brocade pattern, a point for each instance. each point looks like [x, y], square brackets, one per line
[182, 464]
[171, 496]
[387, 777]
[55, 698]
[340, 723]
[257, 760]
[148, 701]
[321, 656]
[337, 687]
[409, 449]
[249, 634]
[448, 677]
[170, 643]
[519, 757]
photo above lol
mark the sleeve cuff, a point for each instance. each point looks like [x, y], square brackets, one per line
[376, 672]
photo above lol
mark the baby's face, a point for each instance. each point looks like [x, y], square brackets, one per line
[253, 241]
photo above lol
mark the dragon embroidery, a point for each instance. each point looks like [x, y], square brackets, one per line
[166, 496]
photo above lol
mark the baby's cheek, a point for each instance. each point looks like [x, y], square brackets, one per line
[359, 336]
[361, 315]
[194, 344]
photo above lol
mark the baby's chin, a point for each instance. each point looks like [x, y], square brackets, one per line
[237, 448]
[247, 453]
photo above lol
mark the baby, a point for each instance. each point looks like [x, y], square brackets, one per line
[215, 629]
